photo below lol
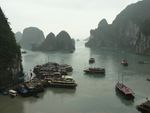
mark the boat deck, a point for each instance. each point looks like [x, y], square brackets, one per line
[124, 88]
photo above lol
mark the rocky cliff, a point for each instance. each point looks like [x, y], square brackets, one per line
[100, 36]
[49, 44]
[130, 30]
[10, 56]
[32, 37]
[61, 42]
[18, 36]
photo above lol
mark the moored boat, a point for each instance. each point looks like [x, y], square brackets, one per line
[124, 62]
[95, 71]
[143, 62]
[12, 93]
[91, 60]
[23, 52]
[62, 82]
[144, 107]
[31, 88]
[125, 91]
[24, 92]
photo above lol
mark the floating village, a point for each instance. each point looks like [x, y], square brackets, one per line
[54, 75]
[43, 76]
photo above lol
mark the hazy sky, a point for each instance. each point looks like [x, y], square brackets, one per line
[77, 17]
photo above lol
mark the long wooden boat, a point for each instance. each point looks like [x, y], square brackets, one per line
[62, 83]
[95, 71]
[125, 91]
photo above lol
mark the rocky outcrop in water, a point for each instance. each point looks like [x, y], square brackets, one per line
[18, 36]
[61, 42]
[130, 30]
[49, 44]
[32, 37]
[100, 36]
[10, 56]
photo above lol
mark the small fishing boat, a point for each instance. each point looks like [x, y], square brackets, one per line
[125, 91]
[144, 107]
[12, 93]
[23, 52]
[91, 60]
[31, 88]
[24, 90]
[124, 62]
[143, 62]
[95, 71]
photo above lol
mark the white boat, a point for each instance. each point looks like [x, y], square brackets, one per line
[12, 93]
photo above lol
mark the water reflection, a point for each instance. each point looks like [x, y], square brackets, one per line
[94, 75]
[94, 93]
[63, 91]
[11, 105]
[33, 99]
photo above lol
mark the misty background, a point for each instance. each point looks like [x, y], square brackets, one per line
[76, 17]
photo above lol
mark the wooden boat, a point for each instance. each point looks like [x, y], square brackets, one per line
[39, 88]
[95, 71]
[91, 60]
[144, 107]
[66, 67]
[32, 90]
[124, 62]
[62, 83]
[12, 93]
[24, 92]
[125, 91]
[23, 52]
[143, 62]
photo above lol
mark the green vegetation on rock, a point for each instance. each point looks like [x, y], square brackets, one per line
[61, 42]
[32, 37]
[10, 56]
[130, 30]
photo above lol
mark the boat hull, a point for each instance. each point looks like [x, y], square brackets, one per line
[59, 85]
[94, 72]
[142, 110]
[91, 60]
[128, 96]
[124, 64]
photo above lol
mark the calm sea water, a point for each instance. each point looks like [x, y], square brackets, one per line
[94, 94]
